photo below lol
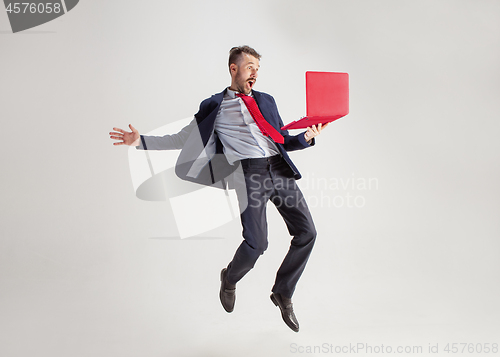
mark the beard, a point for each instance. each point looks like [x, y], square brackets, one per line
[246, 85]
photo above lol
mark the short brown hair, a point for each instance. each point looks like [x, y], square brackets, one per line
[235, 53]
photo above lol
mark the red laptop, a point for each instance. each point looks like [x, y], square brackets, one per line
[327, 99]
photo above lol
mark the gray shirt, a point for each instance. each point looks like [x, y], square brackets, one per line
[238, 132]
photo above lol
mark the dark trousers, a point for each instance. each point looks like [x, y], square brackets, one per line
[269, 179]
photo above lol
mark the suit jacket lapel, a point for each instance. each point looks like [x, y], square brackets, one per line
[206, 125]
[264, 109]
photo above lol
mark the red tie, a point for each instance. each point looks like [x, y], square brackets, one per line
[266, 128]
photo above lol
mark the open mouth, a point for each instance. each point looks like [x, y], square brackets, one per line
[251, 82]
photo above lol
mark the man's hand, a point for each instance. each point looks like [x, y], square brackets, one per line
[127, 138]
[313, 131]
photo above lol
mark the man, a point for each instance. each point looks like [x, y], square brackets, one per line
[240, 127]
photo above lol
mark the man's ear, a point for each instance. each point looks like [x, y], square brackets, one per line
[233, 68]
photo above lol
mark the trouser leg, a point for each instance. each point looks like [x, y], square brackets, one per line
[261, 184]
[257, 189]
[293, 208]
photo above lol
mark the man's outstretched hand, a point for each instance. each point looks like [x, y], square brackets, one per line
[127, 138]
[313, 131]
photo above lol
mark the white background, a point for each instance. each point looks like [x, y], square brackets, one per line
[87, 269]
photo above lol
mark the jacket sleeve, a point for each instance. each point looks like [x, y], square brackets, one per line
[167, 142]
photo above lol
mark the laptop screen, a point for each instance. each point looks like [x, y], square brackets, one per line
[327, 94]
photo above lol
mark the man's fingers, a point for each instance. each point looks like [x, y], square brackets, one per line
[120, 130]
[116, 134]
[119, 143]
[132, 128]
[116, 137]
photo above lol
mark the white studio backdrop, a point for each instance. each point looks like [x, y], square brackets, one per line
[404, 190]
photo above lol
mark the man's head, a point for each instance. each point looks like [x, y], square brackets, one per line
[243, 67]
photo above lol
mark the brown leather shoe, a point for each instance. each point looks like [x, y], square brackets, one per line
[227, 292]
[286, 307]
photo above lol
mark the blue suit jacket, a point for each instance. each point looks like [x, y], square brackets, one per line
[194, 142]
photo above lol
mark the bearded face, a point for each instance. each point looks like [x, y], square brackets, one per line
[244, 75]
